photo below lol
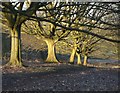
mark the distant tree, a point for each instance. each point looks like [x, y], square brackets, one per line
[49, 32]
[88, 46]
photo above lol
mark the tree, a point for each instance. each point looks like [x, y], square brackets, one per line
[14, 21]
[88, 46]
[48, 33]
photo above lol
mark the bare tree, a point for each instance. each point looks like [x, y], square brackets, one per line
[15, 20]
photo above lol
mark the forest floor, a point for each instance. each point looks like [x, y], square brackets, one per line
[59, 77]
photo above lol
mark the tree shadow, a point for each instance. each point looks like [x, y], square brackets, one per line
[33, 55]
[6, 42]
[26, 76]
[39, 56]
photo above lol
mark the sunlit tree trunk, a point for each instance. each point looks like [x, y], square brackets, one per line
[78, 59]
[15, 58]
[51, 57]
[85, 60]
[72, 57]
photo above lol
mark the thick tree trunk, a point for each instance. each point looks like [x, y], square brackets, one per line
[78, 59]
[51, 57]
[15, 58]
[85, 60]
[72, 57]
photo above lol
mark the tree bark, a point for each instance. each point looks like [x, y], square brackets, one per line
[51, 57]
[72, 57]
[85, 60]
[15, 58]
[78, 59]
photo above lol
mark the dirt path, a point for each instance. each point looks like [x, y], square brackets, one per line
[60, 78]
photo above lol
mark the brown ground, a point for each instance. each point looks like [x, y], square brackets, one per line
[60, 77]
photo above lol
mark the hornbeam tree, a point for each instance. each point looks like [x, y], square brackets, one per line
[14, 20]
[48, 33]
[87, 46]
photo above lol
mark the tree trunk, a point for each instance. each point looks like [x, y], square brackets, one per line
[72, 57]
[51, 57]
[78, 59]
[85, 60]
[15, 58]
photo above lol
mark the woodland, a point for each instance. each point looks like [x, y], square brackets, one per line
[60, 46]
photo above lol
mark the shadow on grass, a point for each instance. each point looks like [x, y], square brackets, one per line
[6, 41]
[26, 78]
